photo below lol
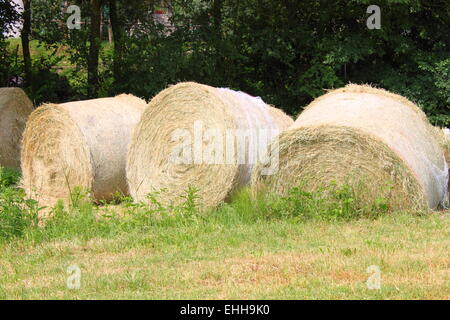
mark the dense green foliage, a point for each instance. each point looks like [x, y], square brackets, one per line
[285, 51]
[17, 214]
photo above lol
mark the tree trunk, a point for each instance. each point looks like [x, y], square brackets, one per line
[25, 35]
[101, 25]
[118, 36]
[217, 17]
[221, 62]
[110, 34]
[94, 48]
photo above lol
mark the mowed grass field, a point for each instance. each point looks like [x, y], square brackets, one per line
[302, 246]
[230, 257]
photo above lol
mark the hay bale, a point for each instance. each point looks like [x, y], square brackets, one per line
[443, 136]
[376, 141]
[190, 135]
[15, 107]
[79, 144]
[446, 144]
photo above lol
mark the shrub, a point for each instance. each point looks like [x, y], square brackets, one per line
[16, 212]
[8, 177]
[333, 202]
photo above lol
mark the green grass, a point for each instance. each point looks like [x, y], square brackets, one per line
[225, 260]
[248, 249]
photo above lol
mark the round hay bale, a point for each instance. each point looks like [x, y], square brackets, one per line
[79, 144]
[443, 136]
[446, 144]
[15, 107]
[200, 136]
[378, 142]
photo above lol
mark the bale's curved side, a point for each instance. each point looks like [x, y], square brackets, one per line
[446, 145]
[281, 119]
[79, 144]
[166, 152]
[15, 107]
[376, 118]
[443, 136]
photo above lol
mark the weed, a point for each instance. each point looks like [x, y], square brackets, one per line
[16, 212]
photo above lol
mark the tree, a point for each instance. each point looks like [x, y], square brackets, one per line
[286, 51]
[118, 36]
[94, 47]
[25, 35]
[8, 18]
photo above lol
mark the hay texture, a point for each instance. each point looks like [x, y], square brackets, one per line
[15, 107]
[379, 143]
[443, 136]
[79, 144]
[202, 125]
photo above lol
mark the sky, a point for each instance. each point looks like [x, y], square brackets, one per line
[16, 32]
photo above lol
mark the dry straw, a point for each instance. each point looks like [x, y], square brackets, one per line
[376, 141]
[179, 110]
[443, 136]
[15, 107]
[79, 144]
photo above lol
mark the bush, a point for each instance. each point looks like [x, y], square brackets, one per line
[334, 202]
[8, 177]
[16, 212]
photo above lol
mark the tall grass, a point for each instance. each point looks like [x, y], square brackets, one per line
[84, 220]
[17, 215]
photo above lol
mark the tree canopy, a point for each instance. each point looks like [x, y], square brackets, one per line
[286, 51]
